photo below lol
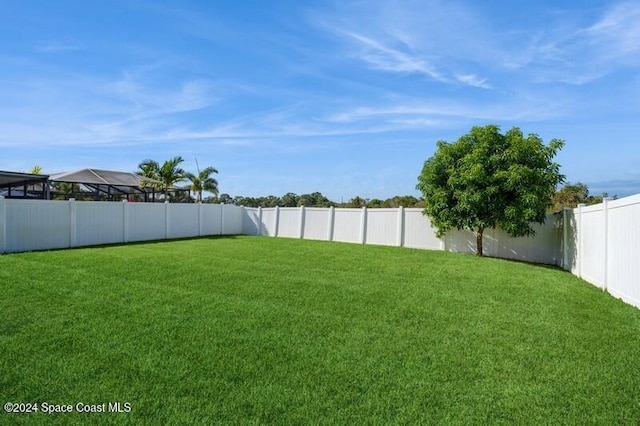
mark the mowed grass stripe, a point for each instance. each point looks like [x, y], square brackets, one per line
[262, 330]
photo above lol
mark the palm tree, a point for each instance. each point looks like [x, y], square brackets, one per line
[36, 170]
[166, 175]
[203, 181]
[150, 170]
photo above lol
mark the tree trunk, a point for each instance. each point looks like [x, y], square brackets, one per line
[479, 242]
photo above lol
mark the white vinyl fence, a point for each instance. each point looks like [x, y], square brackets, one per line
[599, 243]
[602, 246]
[43, 224]
[399, 227]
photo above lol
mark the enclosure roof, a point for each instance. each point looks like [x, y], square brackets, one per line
[16, 178]
[102, 177]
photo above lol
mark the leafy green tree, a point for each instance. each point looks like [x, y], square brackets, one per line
[36, 170]
[488, 180]
[315, 199]
[403, 201]
[270, 201]
[357, 202]
[203, 181]
[570, 195]
[246, 201]
[290, 200]
[225, 198]
[375, 203]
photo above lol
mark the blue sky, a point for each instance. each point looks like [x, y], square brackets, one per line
[343, 97]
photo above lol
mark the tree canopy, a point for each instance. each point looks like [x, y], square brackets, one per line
[487, 179]
[570, 195]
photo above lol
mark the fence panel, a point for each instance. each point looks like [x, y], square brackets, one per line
[462, 241]
[316, 223]
[418, 232]
[269, 225]
[541, 248]
[211, 219]
[251, 221]
[382, 226]
[347, 225]
[99, 223]
[570, 241]
[592, 244]
[147, 221]
[232, 220]
[182, 220]
[37, 225]
[623, 257]
[289, 222]
[568, 260]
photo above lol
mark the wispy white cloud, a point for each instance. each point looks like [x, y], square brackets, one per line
[447, 113]
[56, 46]
[415, 37]
[581, 54]
[473, 80]
[134, 88]
[616, 36]
[382, 57]
[90, 111]
[409, 38]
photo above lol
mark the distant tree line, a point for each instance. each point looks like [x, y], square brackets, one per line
[315, 199]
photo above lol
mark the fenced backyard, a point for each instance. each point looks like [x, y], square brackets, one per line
[600, 243]
[255, 330]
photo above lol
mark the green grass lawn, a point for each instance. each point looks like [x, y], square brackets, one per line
[263, 330]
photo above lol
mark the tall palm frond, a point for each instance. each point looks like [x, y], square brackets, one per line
[151, 170]
[203, 182]
[171, 173]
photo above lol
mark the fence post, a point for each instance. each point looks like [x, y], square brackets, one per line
[72, 222]
[400, 226]
[125, 221]
[221, 218]
[302, 217]
[3, 224]
[200, 224]
[580, 240]
[166, 219]
[259, 220]
[363, 226]
[277, 220]
[565, 239]
[332, 215]
[605, 206]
